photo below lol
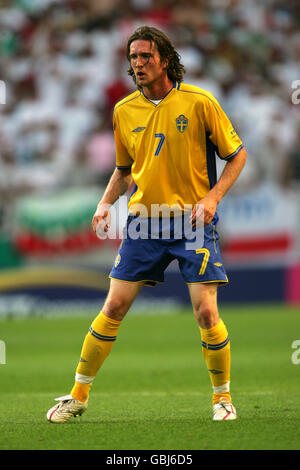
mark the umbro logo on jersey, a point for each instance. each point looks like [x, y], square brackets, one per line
[139, 129]
[218, 264]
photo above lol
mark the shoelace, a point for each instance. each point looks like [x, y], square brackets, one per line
[62, 403]
[224, 403]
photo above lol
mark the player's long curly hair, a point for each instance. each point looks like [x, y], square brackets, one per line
[175, 69]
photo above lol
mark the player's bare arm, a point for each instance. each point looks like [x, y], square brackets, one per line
[228, 177]
[118, 185]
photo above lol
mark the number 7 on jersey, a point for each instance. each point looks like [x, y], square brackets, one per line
[161, 138]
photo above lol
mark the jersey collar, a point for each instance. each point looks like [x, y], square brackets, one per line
[176, 85]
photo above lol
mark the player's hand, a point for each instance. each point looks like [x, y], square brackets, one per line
[101, 219]
[203, 212]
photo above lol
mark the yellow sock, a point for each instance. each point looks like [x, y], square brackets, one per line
[96, 347]
[216, 352]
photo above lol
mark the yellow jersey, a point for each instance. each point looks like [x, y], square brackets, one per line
[171, 146]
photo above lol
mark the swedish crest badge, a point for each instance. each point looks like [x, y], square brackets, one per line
[182, 123]
[117, 260]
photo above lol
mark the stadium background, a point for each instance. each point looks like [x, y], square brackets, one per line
[63, 66]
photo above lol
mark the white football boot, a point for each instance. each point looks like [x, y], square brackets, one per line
[66, 408]
[224, 410]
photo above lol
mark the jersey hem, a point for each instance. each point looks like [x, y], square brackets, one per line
[233, 154]
[123, 167]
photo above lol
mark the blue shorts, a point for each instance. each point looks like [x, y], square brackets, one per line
[146, 259]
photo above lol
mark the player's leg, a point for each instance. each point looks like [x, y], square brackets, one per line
[96, 347]
[102, 334]
[215, 345]
[138, 262]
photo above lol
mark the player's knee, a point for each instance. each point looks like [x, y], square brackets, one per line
[115, 308]
[206, 315]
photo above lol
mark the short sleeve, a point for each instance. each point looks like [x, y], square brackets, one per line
[220, 130]
[123, 159]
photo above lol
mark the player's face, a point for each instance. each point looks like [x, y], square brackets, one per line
[146, 63]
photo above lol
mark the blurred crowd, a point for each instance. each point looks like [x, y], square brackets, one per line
[64, 68]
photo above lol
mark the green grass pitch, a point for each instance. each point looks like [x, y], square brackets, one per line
[153, 391]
